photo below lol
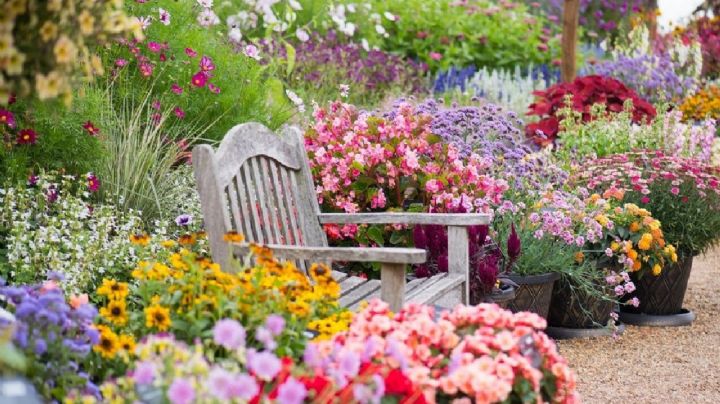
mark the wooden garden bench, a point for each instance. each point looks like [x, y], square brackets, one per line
[259, 184]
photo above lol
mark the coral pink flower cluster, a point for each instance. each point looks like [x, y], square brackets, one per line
[481, 353]
[362, 162]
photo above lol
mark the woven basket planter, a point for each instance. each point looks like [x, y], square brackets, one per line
[577, 310]
[533, 294]
[661, 295]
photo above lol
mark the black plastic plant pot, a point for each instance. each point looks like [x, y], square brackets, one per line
[534, 293]
[574, 309]
[661, 295]
[502, 296]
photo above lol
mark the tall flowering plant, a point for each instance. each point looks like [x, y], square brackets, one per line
[55, 335]
[362, 162]
[682, 193]
[481, 353]
[585, 91]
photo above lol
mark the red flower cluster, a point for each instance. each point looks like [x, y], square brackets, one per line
[586, 91]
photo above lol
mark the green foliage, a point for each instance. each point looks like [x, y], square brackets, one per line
[61, 144]
[481, 33]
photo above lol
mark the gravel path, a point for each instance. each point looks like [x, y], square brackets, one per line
[658, 365]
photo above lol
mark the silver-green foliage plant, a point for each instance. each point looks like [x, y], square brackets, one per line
[53, 225]
[512, 89]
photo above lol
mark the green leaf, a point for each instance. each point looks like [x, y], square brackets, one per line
[290, 51]
[375, 233]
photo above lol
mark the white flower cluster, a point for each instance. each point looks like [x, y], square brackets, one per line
[275, 15]
[51, 225]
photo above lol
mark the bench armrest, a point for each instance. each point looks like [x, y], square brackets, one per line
[353, 254]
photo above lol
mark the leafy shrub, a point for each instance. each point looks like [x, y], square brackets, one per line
[585, 91]
[194, 69]
[447, 33]
[37, 136]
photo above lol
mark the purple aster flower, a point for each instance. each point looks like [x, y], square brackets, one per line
[291, 392]
[265, 365]
[181, 391]
[40, 346]
[229, 334]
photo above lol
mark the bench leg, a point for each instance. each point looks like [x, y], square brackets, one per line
[392, 285]
[459, 258]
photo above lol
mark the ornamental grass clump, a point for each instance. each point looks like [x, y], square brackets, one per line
[482, 353]
[682, 193]
[55, 336]
[581, 94]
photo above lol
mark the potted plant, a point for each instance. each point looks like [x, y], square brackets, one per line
[684, 195]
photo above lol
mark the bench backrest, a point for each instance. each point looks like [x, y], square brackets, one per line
[259, 184]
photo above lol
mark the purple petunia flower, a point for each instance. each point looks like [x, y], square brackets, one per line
[183, 220]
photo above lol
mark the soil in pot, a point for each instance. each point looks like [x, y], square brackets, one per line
[576, 309]
[533, 293]
[660, 295]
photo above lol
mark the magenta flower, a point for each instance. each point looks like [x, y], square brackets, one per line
[199, 79]
[181, 391]
[244, 387]
[93, 182]
[7, 118]
[179, 112]
[176, 89]
[144, 373]
[156, 104]
[292, 392]
[435, 56]
[265, 365]
[146, 69]
[229, 334]
[675, 190]
[27, 136]
[154, 46]
[206, 64]
[213, 88]
[513, 244]
[190, 52]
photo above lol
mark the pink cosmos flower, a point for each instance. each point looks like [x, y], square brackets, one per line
[176, 89]
[199, 79]
[179, 112]
[213, 88]
[207, 17]
[154, 46]
[155, 104]
[146, 69]
[190, 52]
[27, 136]
[206, 64]
[145, 22]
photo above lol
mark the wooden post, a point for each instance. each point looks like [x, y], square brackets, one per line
[571, 14]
